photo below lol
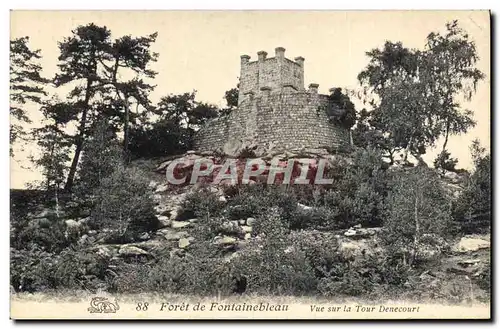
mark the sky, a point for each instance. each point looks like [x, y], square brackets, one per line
[200, 50]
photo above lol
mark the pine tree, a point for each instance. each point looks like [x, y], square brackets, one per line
[26, 85]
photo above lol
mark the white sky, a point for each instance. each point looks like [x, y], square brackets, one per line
[201, 50]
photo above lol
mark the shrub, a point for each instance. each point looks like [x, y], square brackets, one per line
[80, 269]
[445, 162]
[37, 270]
[132, 277]
[31, 270]
[123, 205]
[256, 200]
[417, 204]
[209, 272]
[270, 265]
[102, 154]
[162, 138]
[201, 203]
[46, 233]
[472, 210]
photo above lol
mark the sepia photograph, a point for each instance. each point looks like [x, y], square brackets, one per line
[250, 164]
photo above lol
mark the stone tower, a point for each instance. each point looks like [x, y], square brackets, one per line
[275, 113]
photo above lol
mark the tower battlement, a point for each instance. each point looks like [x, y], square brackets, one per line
[270, 74]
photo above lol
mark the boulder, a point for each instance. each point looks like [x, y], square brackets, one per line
[164, 221]
[177, 224]
[248, 236]
[354, 248]
[144, 236]
[453, 177]
[174, 213]
[470, 244]
[104, 251]
[193, 220]
[246, 229]
[231, 227]
[73, 224]
[224, 240]
[170, 235]
[131, 251]
[242, 222]
[232, 147]
[83, 239]
[222, 199]
[350, 232]
[149, 244]
[161, 188]
[162, 209]
[84, 220]
[304, 207]
[251, 221]
[183, 243]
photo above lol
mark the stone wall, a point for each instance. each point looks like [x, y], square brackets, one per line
[273, 122]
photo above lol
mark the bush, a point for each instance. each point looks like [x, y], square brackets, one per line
[271, 265]
[417, 204]
[200, 203]
[38, 270]
[31, 270]
[256, 200]
[445, 162]
[124, 206]
[162, 138]
[472, 210]
[80, 269]
[46, 233]
[132, 277]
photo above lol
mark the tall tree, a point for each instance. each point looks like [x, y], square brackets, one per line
[107, 79]
[415, 93]
[54, 144]
[26, 85]
[185, 111]
[130, 56]
[79, 66]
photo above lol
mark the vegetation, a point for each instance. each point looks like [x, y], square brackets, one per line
[91, 184]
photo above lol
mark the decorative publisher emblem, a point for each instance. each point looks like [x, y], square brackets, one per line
[102, 305]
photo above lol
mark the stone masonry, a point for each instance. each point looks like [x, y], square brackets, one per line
[275, 113]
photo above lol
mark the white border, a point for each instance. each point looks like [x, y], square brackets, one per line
[191, 5]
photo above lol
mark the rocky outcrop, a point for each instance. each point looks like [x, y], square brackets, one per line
[469, 244]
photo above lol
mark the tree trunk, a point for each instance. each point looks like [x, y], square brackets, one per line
[79, 138]
[417, 232]
[126, 131]
[446, 135]
[407, 149]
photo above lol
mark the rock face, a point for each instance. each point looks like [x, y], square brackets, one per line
[131, 251]
[470, 244]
